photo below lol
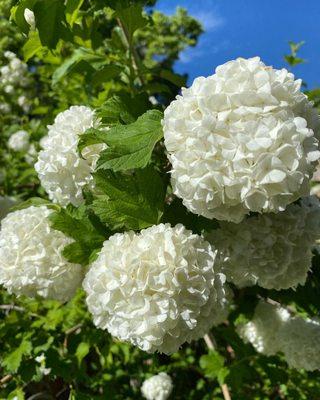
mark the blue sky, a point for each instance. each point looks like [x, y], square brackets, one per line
[248, 28]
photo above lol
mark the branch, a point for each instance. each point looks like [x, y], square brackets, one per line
[135, 56]
[211, 343]
[10, 307]
[5, 379]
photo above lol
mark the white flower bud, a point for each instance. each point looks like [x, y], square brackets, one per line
[30, 18]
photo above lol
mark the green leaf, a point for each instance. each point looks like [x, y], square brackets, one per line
[123, 108]
[131, 146]
[50, 19]
[13, 360]
[106, 73]
[36, 202]
[82, 226]
[77, 253]
[131, 18]
[32, 46]
[175, 212]
[17, 13]
[213, 366]
[91, 136]
[17, 394]
[82, 350]
[72, 9]
[170, 76]
[80, 55]
[133, 201]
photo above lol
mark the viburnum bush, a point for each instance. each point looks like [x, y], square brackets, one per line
[156, 242]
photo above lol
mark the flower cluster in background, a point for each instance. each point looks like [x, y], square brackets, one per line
[273, 251]
[274, 330]
[31, 262]
[14, 80]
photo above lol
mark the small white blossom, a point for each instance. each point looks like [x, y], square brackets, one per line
[19, 141]
[158, 387]
[9, 55]
[61, 170]
[241, 140]
[42, 361]
[24, 103]
[9, 89]
[31, 261]
[170, 277]
[272, 250]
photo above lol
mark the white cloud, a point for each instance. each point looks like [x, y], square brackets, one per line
[210, 20]
[205, 47]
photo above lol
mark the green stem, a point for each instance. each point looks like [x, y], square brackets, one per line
[134, 56]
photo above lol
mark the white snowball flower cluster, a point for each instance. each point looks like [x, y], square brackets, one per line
[30, 18]
[262, 331]
[271, 250]
[158, 387]
[241, 140]
[31, 261]
[273, 330]
[19, 141]
[300, 343]
[156, 289]
[62, 171]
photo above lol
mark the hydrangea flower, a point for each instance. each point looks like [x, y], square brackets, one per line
[241, 140]
[272, 250]
[300, 343]
[31, 260]
[19, 141]
[262, 331]
[62, 171]
[156, 289]
[273, 330]
[158, 387]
